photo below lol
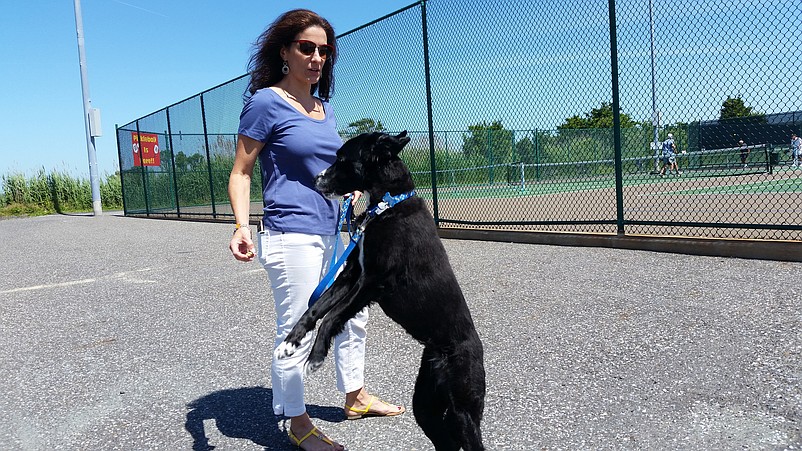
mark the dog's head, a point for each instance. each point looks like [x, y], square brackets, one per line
[369, 163]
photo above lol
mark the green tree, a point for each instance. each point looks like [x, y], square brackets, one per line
[489, 142]
[735, 107]
[365, 125]
[587, 137]
[193, 162]
[526, 150]
[601, 117]
[224, 145]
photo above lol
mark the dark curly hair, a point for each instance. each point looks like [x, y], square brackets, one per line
[265, 63]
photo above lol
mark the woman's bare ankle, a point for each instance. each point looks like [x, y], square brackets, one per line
[301, 423]
[357, 397]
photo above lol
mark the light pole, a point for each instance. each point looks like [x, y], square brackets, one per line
[655, 114]
[91, 115]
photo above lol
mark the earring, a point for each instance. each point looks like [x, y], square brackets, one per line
[285, 69]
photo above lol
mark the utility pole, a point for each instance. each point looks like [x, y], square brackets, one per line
[655, 114]
[91, 115]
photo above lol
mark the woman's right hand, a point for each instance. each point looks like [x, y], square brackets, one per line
[241, 245]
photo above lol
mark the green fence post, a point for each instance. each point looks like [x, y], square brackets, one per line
[208, 158]
[537, 156]
[143, 172]
[513, 157]
[489, 157]
[428, 75]
[619, 183]
[172, 161]
[120, 160]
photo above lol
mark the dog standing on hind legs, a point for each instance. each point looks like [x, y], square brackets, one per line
[401, 264]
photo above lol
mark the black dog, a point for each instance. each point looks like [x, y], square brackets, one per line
[401, 264]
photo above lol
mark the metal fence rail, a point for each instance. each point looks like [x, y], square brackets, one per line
[539, 116]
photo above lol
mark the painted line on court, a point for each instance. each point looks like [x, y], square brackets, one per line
[125, 276]
[52, 285]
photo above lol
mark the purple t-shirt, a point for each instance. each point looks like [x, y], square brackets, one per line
[297, 148]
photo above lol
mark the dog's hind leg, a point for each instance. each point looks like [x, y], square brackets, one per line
[461, 424]
[430, 401]
[343, 286]
[466, 387]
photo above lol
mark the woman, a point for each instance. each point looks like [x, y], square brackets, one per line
[293, 133]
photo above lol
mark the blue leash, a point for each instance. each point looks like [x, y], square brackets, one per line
[345, 215]
[387, 202]
[336, 264]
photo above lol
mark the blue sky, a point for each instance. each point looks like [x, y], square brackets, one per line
[530, 65]
[142, 55]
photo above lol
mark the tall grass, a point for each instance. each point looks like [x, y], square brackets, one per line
[55, 192]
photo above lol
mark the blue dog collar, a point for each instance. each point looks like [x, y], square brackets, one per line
[389, 201]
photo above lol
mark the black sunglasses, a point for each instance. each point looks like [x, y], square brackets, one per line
[308, 48]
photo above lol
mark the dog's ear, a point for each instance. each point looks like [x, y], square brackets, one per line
[401, 140]
[388, 146]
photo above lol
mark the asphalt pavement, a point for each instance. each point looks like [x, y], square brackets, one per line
[139, 334]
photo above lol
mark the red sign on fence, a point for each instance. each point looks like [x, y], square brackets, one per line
[146, 149]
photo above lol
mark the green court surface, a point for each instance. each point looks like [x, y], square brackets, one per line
[731, 184]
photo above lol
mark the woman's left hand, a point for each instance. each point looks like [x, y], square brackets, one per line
[355, 197]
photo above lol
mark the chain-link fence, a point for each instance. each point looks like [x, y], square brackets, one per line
[511, 106]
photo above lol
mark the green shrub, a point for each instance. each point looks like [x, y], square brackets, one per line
[59, 192]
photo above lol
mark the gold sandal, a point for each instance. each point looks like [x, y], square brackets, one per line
[319, 435]
[361, 413]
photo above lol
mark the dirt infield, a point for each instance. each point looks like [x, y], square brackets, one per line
[675, 200]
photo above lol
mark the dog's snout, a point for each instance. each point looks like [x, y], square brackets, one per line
[322, 184]
[319, 179]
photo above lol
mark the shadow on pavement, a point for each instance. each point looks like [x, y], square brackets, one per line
[246, 413]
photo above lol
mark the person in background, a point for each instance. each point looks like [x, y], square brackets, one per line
[744, 150]
[796, 150]
[669, 156]
[293, 133]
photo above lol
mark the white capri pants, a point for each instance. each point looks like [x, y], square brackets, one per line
[295, 263]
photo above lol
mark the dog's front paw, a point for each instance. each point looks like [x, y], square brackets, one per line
[310, 367]
[284, 350]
